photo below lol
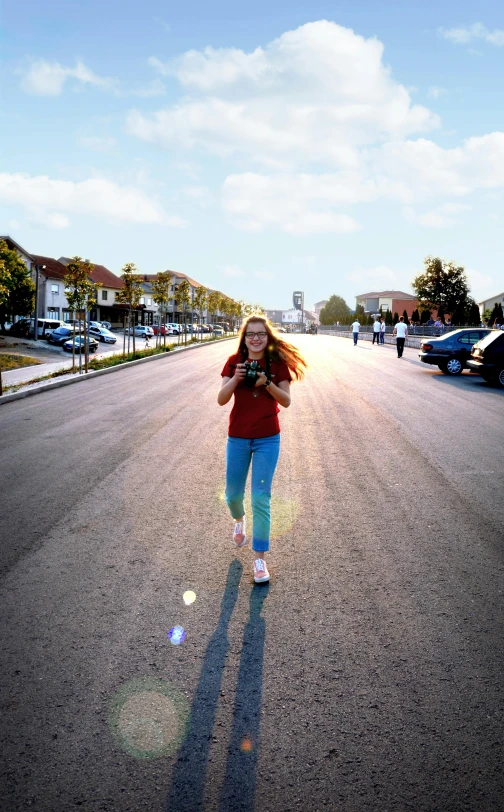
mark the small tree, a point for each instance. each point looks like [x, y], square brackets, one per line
[405, 316]
[388, 318]
[415, 316]
[81, 294]
[496, 315]
[214, 304]
[425, 315]
[395, 319]
[200, 304]
[160, 288]
[130, 294]
[334, 310]
[183, 299]
[18, 298]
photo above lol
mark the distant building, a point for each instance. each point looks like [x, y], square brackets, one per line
[319, 305]
[491, 302]
[394, 300]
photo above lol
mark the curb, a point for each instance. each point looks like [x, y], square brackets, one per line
[95, 373]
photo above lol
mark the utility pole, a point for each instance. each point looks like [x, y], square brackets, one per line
[38, 268]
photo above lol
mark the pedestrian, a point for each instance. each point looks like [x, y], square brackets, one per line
[147, 345]
[254, 428]
[376, 331]
[383, 327]
[355, 331]
[401, 331]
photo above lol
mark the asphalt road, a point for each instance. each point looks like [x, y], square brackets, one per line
[367, 676]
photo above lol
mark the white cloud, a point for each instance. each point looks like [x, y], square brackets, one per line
[97, 143]
[476, 31]
[314, 95]
[231, 270]
[48, 78]
[297, 204]
[435, 92]
[264, 275]
[49, 201]
[380, 276]
[200, 194]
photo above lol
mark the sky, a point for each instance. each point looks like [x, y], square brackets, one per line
[262, 147]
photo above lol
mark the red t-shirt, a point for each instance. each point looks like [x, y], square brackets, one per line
[255, 411]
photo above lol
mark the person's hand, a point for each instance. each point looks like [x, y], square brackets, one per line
[261, 379]
[240, 371]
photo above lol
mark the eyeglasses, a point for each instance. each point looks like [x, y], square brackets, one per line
[255, 335]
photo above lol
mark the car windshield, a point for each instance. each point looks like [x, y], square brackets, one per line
[489, 339]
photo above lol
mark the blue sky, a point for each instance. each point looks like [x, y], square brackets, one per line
[260, 147]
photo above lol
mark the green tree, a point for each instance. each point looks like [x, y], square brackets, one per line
[81, 294]
[388, 318]
[415, 316]
[214, 304]
[405, 316]
[130, 295]
[474, 314]
[395, 319]
[360, 314]
[160, 288]
[496, 315]
[183, 300]
[443, 285]
[425, 315]
[200, 304]
[18, 298]
[335, 309]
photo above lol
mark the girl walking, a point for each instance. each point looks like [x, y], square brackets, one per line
[254, 428]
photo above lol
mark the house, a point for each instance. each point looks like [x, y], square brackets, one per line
[394, 300]
[319, 305]
[491, 302]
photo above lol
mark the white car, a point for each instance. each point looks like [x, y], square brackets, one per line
[142, 331]
[102, 334]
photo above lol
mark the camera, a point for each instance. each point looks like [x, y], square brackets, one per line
[252, 373]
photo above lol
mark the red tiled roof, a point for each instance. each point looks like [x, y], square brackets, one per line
[54, 269]
[394, 294]
[102, 275]
[150, 277]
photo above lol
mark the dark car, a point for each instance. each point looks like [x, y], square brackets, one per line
[60, 335]
[79, 344]
[20, 328]
[452, 351]
[487, 358]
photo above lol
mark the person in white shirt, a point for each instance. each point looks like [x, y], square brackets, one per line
[355, 331]
[383, 327]
[401, 331]
[376, 331]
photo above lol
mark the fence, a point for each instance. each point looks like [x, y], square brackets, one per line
[415, 334]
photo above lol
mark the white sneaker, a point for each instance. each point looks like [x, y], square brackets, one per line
[239, 535]
[261, 573]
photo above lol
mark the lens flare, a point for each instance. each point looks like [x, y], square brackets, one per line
[284, 512]
[246, 745]
[189, 597]
[149, 718]
[177, 635]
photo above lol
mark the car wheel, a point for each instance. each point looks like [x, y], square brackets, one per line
[500, 378]
[453, 367]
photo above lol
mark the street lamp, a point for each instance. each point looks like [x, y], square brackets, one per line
[38, 268]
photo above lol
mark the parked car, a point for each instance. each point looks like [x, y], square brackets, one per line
[44, 326]
[160, 329]
[487, 358]
[452, 351]
[107, 325]
[20, 328]
[141, 330]
[61, 334]
[79, 344]
[217, 330]
[102, 334]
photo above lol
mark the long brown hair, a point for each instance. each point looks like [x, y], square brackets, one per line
[278, 349]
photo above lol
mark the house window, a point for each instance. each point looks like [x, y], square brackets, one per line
[54, 288]
[142, 300]
[104, 295]
[149, 302]
[53, 312]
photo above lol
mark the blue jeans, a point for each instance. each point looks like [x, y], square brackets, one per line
[263, 453]
[355, 337]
